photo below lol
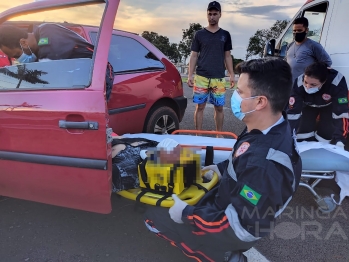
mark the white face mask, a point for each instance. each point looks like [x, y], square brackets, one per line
[312, 90]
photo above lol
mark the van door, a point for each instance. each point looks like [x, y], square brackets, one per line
[54, 146]
[338, 38]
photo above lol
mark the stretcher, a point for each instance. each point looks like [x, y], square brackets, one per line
[190, 195]
[320, 161]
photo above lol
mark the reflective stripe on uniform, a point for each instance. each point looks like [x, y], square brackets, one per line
[321, 139]
[318, 106]
[345, 127]
[151, 229]
[283, 159]
[300, 80]
[343, 115]
[231, 170]
[293, 117]
[234, 222]
[305, 135]
[337, 79]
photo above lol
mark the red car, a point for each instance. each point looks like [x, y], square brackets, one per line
[150, 93]
[55, 122]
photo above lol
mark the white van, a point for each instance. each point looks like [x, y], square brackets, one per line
[328, 25]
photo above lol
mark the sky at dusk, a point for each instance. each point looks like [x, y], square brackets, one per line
[240, 17]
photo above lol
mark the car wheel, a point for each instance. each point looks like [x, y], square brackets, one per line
[162, 120]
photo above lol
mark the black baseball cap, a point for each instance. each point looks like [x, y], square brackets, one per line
[214, 5]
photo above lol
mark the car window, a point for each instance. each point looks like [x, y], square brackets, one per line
[127, 55]
[62, 74]
[63, 64]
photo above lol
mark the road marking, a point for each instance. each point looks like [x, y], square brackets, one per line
[254, 256]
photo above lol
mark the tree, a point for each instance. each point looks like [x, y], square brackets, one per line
[174, 54]
[236, 61]
[188, 35]
[24, 74]
[164, 45]
[257, 41]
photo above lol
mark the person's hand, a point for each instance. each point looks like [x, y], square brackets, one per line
[190, 81]
[232, 81]
[177, 209]
[210, 171]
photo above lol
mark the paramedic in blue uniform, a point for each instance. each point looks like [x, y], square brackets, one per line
[320, 92]
[48, 42]
[257, 181]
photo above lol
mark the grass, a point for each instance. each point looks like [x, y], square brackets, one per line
[227, 85]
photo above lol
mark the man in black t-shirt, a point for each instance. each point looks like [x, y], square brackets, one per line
[211, 54]
[48, 42]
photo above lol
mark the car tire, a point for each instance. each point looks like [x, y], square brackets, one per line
[162, 120]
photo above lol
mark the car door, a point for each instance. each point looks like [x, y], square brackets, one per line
[54, 142]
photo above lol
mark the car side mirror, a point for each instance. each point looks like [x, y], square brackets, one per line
[269, 49]
[283, 51]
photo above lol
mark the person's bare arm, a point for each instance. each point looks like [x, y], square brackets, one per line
[192, 64]
[229, 65]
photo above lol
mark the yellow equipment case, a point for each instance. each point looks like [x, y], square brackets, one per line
[159, 181]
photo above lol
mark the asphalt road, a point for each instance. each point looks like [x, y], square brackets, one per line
[42, 233]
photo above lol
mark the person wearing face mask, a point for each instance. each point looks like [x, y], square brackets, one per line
[257, 181]
[320, 94]
[304, 51]
[48, 42]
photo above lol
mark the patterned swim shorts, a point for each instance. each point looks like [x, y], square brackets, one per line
[211, 89]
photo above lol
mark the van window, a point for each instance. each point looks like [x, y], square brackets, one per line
[54, 74]
[127, 55]
[316, 16]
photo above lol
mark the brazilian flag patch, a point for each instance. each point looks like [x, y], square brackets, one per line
[250, 195]
[43, 41]
[342, 100]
